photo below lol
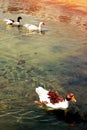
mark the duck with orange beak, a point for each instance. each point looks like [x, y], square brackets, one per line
[52, 100]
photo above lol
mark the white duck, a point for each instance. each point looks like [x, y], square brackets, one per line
[52, 100]
[12, 22]
[31, 27]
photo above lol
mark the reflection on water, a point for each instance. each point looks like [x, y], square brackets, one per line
[55, 59]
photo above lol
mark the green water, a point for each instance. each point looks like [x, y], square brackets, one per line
[55, 59]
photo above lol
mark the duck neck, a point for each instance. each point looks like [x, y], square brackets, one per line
[66, 101]
[19, 19]
[39, 28]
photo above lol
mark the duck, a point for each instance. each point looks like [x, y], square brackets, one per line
[31, 27]
[12, 22]
[52, 100]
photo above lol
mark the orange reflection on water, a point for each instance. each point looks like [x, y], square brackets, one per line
[74, 2]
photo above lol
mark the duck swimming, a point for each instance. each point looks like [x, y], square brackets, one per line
[12, 22]
[53, 100]
[31, 27]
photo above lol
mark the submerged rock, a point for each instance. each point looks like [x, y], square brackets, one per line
[20, 62]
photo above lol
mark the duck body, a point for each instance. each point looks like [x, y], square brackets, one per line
[31, 27]
[52, 99]
[12, 22]
[9, 21]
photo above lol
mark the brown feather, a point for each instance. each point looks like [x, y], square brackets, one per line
[54, 97]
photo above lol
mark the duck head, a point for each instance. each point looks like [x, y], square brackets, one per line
[42, 23]
[19, 19]
[70, 96]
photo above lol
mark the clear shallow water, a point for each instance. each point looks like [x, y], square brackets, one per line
[56, 60]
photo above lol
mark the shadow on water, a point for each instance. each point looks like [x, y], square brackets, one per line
[70, 117]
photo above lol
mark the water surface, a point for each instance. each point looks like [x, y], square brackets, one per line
[55, 59]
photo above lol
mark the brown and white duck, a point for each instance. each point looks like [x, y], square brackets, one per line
[53, 100]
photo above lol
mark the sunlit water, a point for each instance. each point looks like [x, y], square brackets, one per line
[55, 59]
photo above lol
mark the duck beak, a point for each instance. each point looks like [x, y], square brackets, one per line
[73, 99]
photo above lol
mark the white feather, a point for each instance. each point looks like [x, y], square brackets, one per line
[8, 21]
